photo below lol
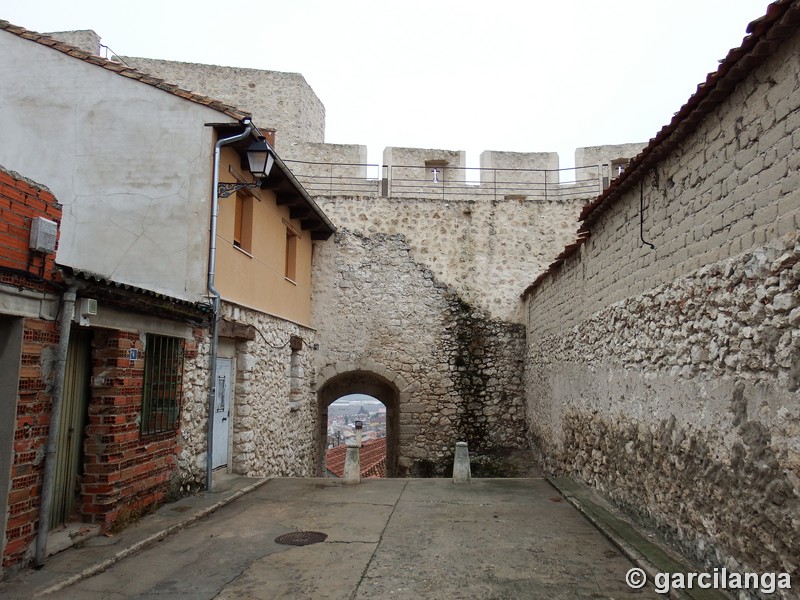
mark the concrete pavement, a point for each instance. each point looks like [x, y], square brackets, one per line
[388, 538]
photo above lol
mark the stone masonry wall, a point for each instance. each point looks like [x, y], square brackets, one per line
[274, 416]
[85, 39]
[485, 250]
[458, 370]
[669, 378]
[283, 101]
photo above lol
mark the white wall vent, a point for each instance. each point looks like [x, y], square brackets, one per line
[43, 235]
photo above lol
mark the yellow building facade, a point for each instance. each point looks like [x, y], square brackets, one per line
[264, 247]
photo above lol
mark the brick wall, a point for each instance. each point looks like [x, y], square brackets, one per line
[669, 377]
[30, 439]
[125, 471]
[20, 202]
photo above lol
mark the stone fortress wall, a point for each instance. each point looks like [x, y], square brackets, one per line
[483, 250]
[457, 371]
[426, 287]
[486, 240]
[455, 246]
[668, 377]
[435, 302]
[423, 280]
[281, 101]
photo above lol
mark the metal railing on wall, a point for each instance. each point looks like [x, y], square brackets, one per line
[338, 179]
[409, 181]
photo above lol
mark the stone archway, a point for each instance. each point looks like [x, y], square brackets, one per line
[361, 382]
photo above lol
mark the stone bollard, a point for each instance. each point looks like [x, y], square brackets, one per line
[461, 470]
[352, 465]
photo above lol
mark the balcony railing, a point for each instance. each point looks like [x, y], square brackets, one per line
[456, 183]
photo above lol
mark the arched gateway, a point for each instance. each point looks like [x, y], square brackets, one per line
[361, 382]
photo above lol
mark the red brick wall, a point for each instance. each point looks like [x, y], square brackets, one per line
[30, 439]
[20, 202]
[125, 472]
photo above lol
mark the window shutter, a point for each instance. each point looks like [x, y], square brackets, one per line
[291, 255]
[237, 221]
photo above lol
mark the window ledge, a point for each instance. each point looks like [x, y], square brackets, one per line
[292, 281]
[245, 252]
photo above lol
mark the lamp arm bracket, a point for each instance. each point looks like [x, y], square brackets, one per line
[226, 189]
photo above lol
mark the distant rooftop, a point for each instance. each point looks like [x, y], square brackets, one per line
[372, 457]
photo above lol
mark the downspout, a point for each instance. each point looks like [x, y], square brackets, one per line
[67, 313]
[215, 295]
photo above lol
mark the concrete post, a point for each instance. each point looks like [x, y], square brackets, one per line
[358, 433]
[461, 470]
[352, 465]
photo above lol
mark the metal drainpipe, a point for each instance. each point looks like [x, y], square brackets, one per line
[67, 313]
[212, 264]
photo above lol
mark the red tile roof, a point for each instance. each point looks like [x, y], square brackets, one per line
[372, 458]
[764, 34]
[123, 70]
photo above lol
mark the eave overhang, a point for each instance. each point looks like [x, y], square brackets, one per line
[288, 190]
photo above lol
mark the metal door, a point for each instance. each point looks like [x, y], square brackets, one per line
[69, 455]
[222, 412]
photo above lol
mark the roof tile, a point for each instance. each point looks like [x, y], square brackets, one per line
[372, 459]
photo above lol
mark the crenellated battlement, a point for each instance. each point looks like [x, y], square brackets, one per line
[339, 169]
[285, 102]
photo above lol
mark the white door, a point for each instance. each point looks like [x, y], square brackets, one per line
[222, 412]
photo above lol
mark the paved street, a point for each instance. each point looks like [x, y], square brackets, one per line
[390, 538]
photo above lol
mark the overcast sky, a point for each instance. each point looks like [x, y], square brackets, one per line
[524, 76]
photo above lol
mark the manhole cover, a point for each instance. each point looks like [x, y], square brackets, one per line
[301, 538]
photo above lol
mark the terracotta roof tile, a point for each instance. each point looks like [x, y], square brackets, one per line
[781, 20]
[123, 70]
[372, 458]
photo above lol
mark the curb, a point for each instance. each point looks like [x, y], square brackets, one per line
[148, 541]
[631, 543]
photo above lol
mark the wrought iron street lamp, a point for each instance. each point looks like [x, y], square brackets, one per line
[259, 160]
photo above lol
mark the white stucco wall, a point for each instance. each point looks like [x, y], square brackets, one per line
[130, 163]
